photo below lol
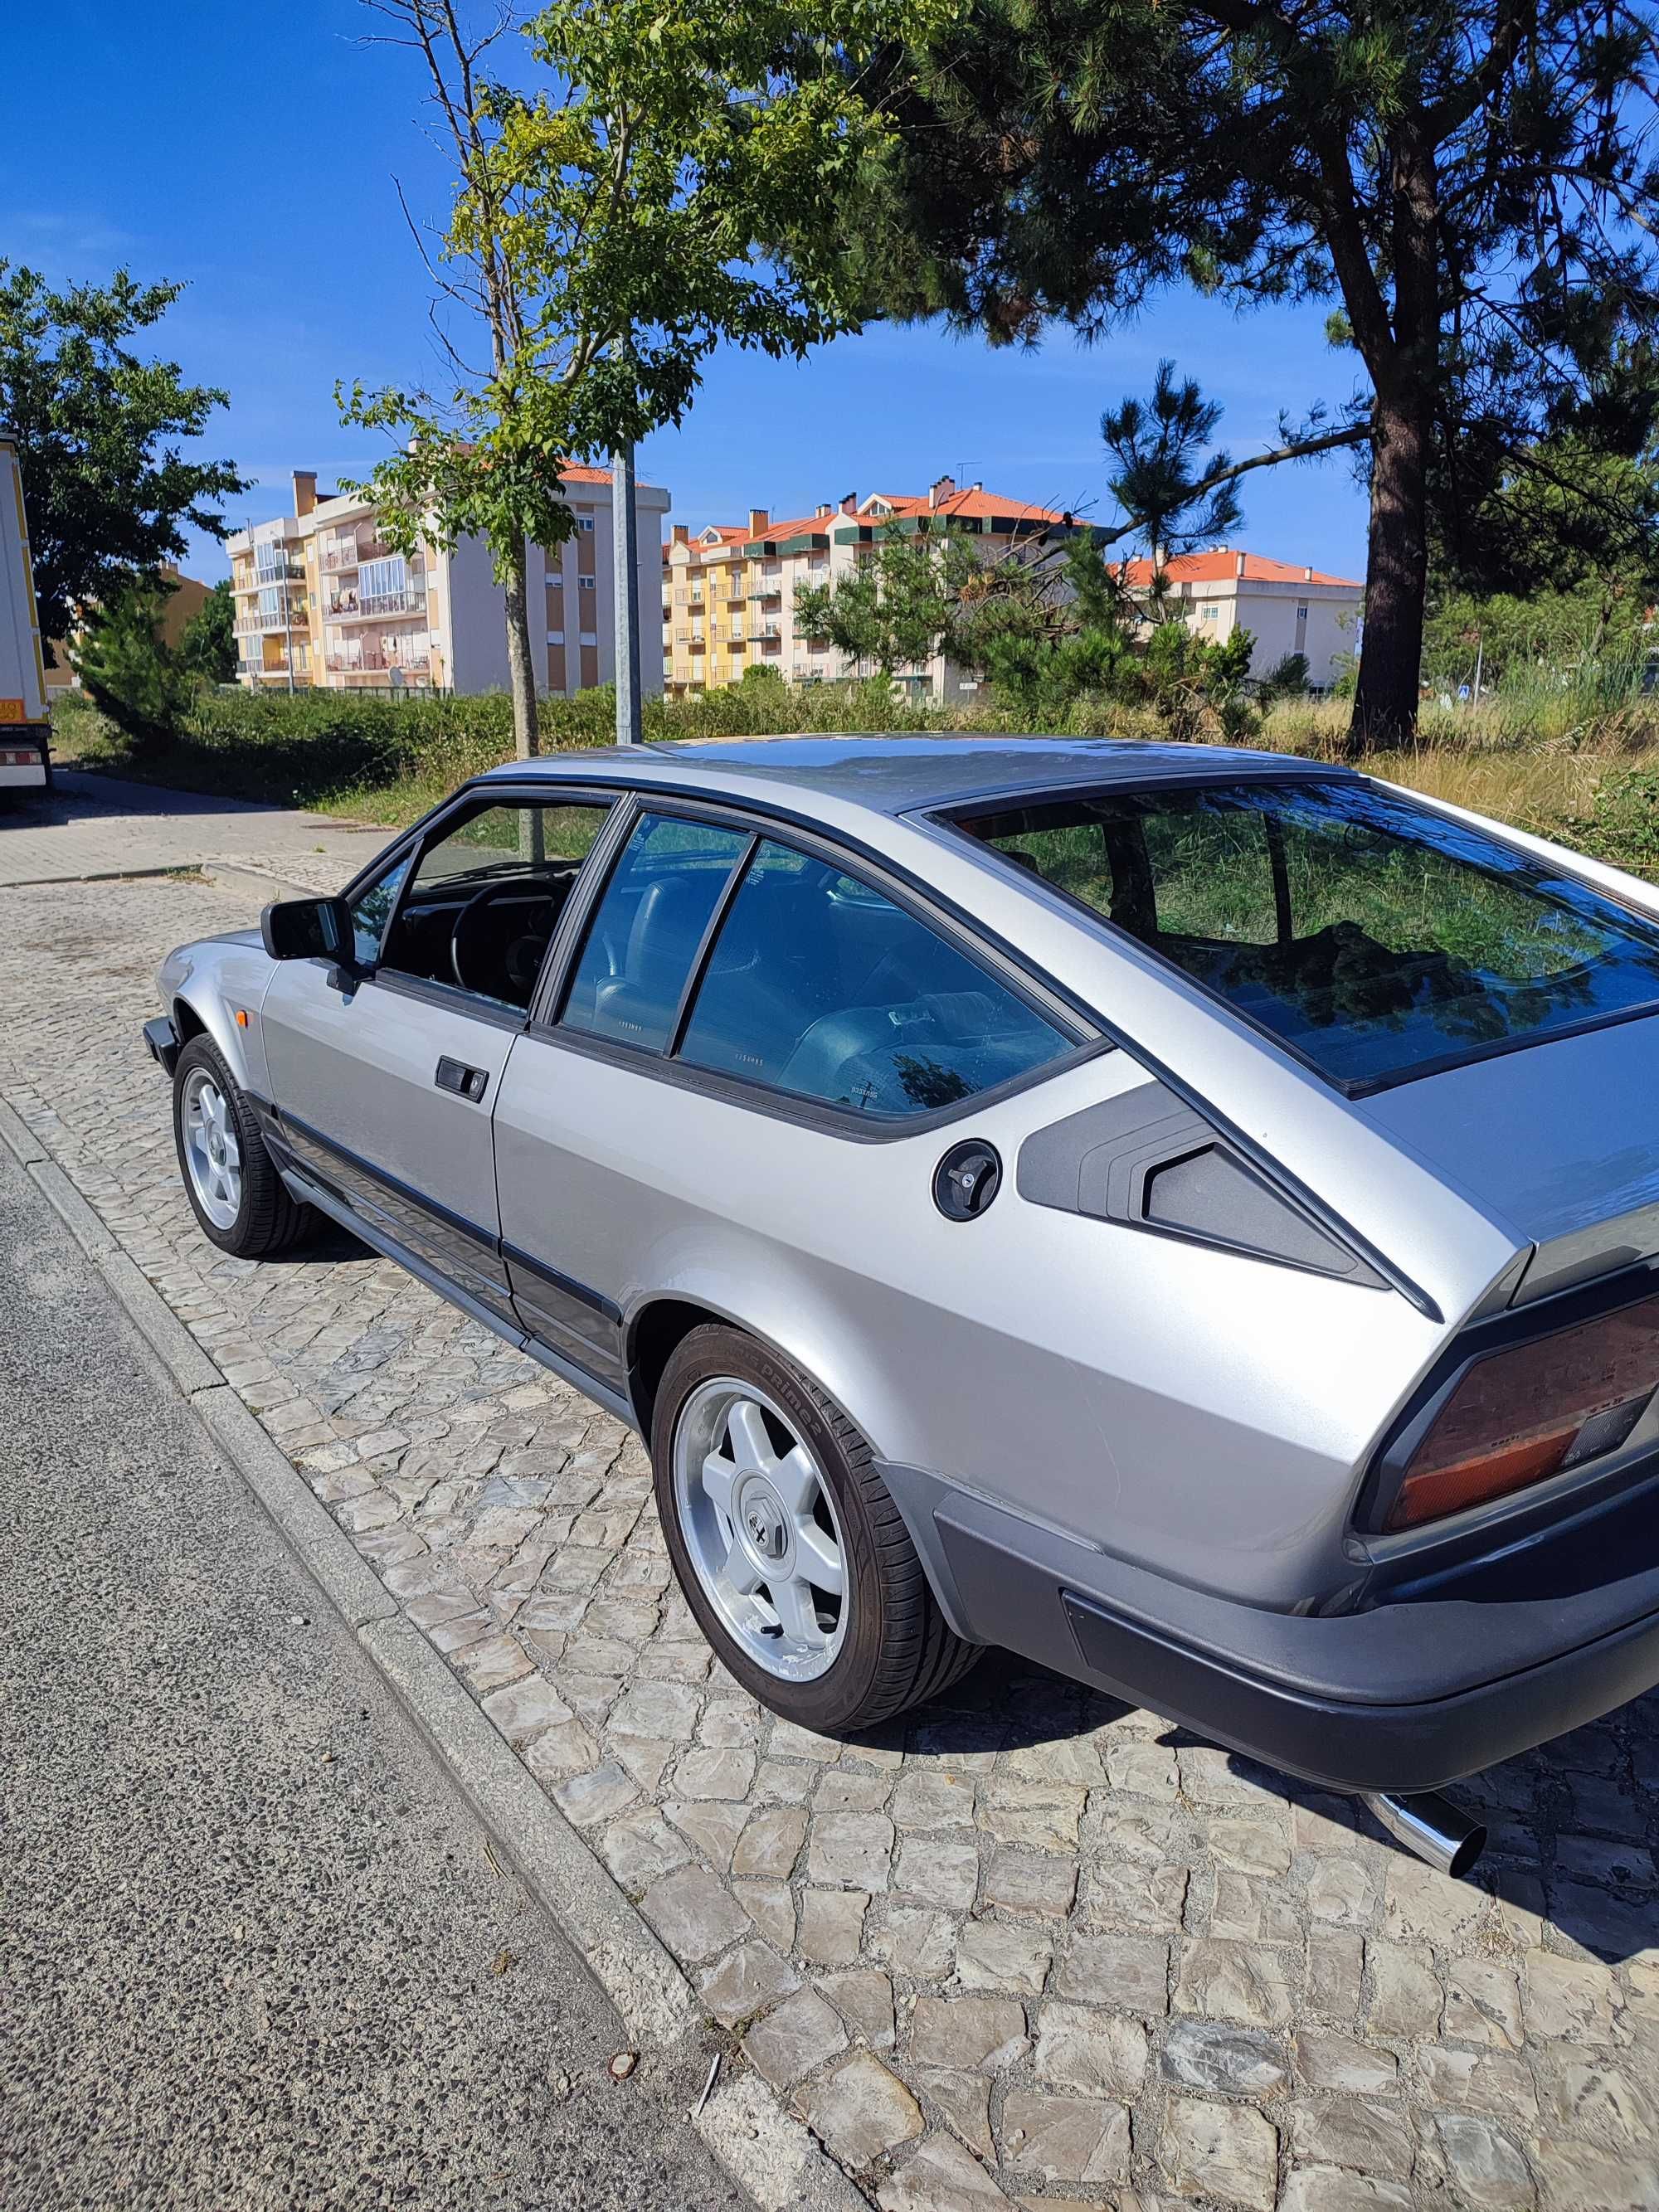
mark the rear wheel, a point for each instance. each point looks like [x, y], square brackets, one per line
[789, 1549]
[241, 1202]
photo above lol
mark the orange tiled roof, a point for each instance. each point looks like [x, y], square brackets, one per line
[1221, 566]
[974, 505]
[792, 526]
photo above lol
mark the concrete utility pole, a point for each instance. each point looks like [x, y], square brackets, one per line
[624, 540]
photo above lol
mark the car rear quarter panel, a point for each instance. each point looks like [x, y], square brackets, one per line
[1200, 1413]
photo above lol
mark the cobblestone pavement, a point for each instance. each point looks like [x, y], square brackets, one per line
[98, 826]
[1027, 1947]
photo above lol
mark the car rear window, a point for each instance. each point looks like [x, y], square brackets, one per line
[1374, 937]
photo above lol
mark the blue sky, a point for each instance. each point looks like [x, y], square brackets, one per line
[252, 152]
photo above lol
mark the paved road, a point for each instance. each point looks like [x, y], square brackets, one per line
[98, 826]
[249, 1936]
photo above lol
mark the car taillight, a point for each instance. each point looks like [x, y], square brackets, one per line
[1520, 1415]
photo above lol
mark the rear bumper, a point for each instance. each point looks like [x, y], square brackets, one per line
[25, 752]
[161, 1042]
[1406, 1696]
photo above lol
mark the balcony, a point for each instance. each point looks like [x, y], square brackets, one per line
[369, 607]
[254, 620]
[768, 591]
[378, 656]
[337, 558]
[768, 632]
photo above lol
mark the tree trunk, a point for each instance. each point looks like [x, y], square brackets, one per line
[521, 666]
[1402, 416]
[1396, 575]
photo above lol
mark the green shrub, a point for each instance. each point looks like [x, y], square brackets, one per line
[1623, 824]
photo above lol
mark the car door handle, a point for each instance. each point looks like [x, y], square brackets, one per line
[466, 1082]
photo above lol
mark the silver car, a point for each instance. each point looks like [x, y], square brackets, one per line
[1189, 1216]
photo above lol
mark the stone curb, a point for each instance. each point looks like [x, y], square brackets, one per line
[242, 878]
[764, 2148]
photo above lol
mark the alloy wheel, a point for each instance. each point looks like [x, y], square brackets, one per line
[761, 1529]
[212, 1155]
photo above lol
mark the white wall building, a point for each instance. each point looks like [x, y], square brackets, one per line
[1287, 608]
[323, 600]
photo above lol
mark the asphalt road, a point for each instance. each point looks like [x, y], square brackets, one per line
[253, 1951]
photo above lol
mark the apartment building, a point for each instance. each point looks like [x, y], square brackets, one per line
[323, 600]
[1285, 608]
[728, 595]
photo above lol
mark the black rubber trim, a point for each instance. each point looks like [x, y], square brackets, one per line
[284, 1125]
[457, 1222]
[162, 1042]
[595, 1300]
[1404, 1697]
[303, 1184]
[1103, 1162]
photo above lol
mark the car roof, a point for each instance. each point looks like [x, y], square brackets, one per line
[906, 774]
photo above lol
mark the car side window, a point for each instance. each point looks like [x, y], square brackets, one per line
[636, 959]
[821, 986]
[484, 898]
[371, 910]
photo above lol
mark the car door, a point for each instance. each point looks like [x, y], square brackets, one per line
[384, 1082]
[739, 1010]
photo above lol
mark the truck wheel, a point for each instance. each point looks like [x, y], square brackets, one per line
[790, 1551]
[242, 1203]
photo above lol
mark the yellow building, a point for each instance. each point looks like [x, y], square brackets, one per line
[715, 624]
[729, 593]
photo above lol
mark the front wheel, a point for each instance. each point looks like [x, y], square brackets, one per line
[241, 1202]
[789, 1549]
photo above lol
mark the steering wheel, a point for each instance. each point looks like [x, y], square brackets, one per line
[521, 970]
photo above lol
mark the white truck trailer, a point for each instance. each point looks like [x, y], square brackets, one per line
[24, 728]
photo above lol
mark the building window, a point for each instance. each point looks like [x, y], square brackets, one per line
[585, 522]
[586, 583]
[1301, 614]
[556, 637]
[1211, 613]
[589, 637]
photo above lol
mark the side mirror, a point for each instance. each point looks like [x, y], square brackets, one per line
[309, 929]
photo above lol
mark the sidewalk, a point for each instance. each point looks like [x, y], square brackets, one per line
[95, 826]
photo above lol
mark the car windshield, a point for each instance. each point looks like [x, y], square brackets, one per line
[1376, 939]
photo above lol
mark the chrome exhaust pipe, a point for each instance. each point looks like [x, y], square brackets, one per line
[1430, 1826]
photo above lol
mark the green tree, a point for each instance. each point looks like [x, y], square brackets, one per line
[1046, 629]
[208, 647]
[611, 230]
[126, 667]
[896, 608]
[98, 429]
[1469, 188]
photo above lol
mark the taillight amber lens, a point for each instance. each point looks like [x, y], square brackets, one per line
[1520, 1415]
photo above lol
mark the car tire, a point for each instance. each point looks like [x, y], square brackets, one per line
[889, 1647]
[237, 1196]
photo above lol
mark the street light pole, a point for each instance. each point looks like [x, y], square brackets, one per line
[624, 539]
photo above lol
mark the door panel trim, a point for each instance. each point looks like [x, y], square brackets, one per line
[309, 1188]
[596, 1300]
[561, 1313]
